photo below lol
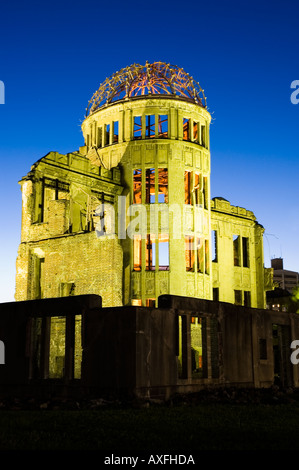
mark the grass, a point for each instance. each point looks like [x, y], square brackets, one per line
[178, 428]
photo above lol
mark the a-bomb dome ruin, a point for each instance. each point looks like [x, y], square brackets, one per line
[136, 80]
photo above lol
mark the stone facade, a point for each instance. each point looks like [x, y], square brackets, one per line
[145, 158]
[60, 253]
[238, 269]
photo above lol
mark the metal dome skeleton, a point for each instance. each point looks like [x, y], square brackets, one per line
[136, 80]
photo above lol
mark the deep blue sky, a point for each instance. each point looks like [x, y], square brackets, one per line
[54, 55]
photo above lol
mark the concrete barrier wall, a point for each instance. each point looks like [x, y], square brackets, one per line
[134, 350]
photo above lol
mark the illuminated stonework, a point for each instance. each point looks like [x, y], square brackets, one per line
[146, 151]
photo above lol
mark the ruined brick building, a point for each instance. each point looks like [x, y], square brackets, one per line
[146, 154]
[129, 277]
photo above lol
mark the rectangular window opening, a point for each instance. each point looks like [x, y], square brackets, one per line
[245, 249]
[137, 130]
[163, 126]
[238, 297]
[107, 134]
[150, 254]
[197, 189]
[203, 136]
[57, 347]
[150, 302]
[136, 302]
[189, 253]
[115, 132]
[49, 190]
[196, 348]
[182, 357]
[163, 252]
[187, 179]
[150, 126]
[137, 180]
[237, 255]
[247, 298]
[40, 201]
[137, 242]
[38, 275]
[150, 190]
[163, 185]
[214, 246]
[216, 294]
[186, 129]
[195, 131]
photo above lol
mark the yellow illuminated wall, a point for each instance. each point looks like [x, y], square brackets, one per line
[146, 156]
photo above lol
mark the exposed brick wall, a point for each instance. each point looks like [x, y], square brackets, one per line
[92, 264]
[55, 247]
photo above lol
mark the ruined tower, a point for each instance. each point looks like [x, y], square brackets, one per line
[128, 216]
[152, 122]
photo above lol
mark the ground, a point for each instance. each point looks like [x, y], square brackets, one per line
[226, 420]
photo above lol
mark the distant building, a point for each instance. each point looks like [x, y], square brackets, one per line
[281, 298]
[284, 278]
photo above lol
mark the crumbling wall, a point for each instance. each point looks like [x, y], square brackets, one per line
[90, 264]
[60, 253]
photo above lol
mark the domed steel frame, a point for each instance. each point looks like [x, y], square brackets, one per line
[136, 80]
